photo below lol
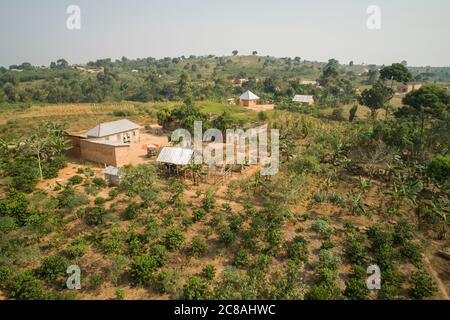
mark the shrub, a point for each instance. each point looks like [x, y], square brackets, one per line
[99, 182]
[320, 197]
[70, 199]
[382, 245]
[116, 268]
[173, 239]
[199, 214]
[160, 254]
[142, 269]
[113, 193]
[309, 164]
[198, 246]
[99, 201]
[336, 199]
[120, 294]
[327, 277]
[209, 272]
[51, 168]
[356, 286]
[391, 285]
[187, 221]
[327, 245]
[75, 180]
[355, 251]
[403, 231]
[15, 205]
[122, 113]
[412, 252]
[24, 173]
[94, 216]
[76, 249]
[320, 292]
[26, 287]
[439, 170]
[91, 189]
[5, 275]
[241, 258]
[7, 224]
[96, 281]
[112, 245]
[338, 114]
[209, 202]
[227, 236]
[166, 281]
[132, 211]
[298, 250]
[52, 268]
[423, 285]
[328, 260]
[195, 289]
[322, 227]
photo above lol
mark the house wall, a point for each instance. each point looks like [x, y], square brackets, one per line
[75, 150]
[132, 136]
[104, 154]
[248, 103]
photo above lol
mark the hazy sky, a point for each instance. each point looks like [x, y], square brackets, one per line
[414, 30]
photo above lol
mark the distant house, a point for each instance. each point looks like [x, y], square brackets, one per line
[123, 131]
[238, 82]
[304, 99]
[407, 88]
[248, 99]
[231, 101]
[309, 82]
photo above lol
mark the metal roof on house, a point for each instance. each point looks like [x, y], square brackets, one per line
[248, 95]
[110, 170]
[303, 98]
[173, 155]
[109, 143]
[110, 128]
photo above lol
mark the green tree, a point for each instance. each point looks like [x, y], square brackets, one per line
[376, 98]
[46, 142]
[396, 72]
[429, 101]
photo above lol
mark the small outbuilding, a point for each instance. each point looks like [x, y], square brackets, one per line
[112, 175]
[248, 99]
[175, 158]
[304, 99]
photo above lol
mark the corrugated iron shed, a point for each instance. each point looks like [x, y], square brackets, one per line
[177, 156]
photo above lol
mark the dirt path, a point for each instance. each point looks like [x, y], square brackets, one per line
[441, 287]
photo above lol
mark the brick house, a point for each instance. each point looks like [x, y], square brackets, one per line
[107, 144]
[248, 99]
